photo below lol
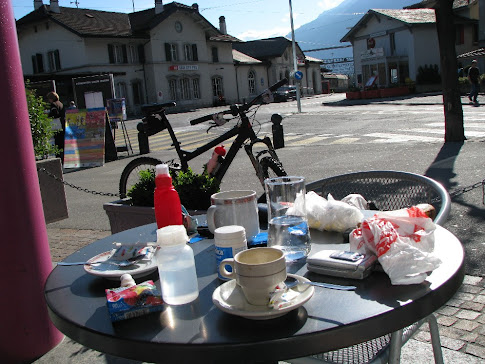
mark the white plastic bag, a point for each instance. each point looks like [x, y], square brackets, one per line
[402, 240]
[330, 214]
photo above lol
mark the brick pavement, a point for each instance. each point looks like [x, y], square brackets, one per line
[461, 320]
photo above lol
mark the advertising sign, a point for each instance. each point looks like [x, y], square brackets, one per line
[116, 110]
[84, 138]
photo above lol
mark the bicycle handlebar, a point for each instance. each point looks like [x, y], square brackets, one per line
[244, 107]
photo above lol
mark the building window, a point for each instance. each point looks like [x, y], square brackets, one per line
[215, 54]
[172, 84]
[217, 87]
[185, 88]
[475, 34]
[117, 53]
[392, 40]
[137, 92]
[120, 90]
[196, 88]
[54, 60]
[252, 82]
[171, 52]
[132, 50]
[460, 34]
[38, 63]
[190, 52]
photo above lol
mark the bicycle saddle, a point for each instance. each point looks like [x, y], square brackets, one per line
[155, 108]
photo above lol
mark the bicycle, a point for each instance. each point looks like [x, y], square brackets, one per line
[265, 162]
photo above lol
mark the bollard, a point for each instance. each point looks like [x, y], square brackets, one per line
[278, 136]
[143, 145]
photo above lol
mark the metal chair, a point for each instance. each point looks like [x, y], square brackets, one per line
[389, 190]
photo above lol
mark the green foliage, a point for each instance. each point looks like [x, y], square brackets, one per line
[141, 193]
[429, 74]
[194, 189]
[40, 125]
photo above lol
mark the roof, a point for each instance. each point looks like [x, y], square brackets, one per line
[430, 3]
[313, 59]
[409, 17]
[264, 49]
[95, 23]
[477, 53]
[244, 58]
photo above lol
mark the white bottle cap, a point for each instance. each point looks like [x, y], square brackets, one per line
[162, 169]
[230, 233]
[172, 235]
[127, 280]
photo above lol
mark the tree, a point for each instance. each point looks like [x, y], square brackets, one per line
[454, 130]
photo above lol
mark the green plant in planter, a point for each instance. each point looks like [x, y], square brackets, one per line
[141, 193]
[194, 189]
[40, 125]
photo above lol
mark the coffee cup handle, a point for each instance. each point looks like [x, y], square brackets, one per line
[224, 272]
[210, 218]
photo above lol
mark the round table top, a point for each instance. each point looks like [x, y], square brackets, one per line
[199, 331]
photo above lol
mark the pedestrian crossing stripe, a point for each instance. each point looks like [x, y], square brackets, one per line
[345, 141]
[306, 141]
[394, 138]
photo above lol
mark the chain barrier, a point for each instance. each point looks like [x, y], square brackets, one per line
[43, 170]
[453, 193]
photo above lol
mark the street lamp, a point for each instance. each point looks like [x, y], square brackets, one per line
[295, 63]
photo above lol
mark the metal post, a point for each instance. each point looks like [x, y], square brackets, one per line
[295, 63]
[26, 330]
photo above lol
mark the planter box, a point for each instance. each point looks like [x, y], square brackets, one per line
[122, 216]
[370, 94]
[393, 92]
[354, 95]
[49, 172]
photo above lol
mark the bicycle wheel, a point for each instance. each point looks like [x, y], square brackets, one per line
[130, 176]
[272, 168]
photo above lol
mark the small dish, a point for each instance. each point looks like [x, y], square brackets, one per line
[229, 298]
[141, 268]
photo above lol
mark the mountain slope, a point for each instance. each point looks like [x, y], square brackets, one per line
[333, 24]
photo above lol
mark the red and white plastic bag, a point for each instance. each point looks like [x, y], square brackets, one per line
[402, 240]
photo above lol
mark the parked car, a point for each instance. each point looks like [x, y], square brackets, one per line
[285, 93]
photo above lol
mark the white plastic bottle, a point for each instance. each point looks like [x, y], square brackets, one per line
[228, 240]
[176, 266]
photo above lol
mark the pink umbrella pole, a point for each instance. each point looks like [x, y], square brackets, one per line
[26, 331]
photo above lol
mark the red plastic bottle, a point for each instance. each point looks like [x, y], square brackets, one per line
[168, 210]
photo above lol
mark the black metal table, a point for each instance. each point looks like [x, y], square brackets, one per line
[200, 332]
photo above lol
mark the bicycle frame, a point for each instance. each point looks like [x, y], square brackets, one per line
[243, 132]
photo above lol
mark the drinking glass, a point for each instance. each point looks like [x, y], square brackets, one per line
[288, 224]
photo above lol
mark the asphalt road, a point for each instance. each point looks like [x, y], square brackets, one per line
[331, 137]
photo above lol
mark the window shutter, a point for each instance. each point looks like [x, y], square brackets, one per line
[125, 54]
[168, 54]
[195, 57]
[58, 59]
[34, 65]
[141, 53]
[215, 55]
[40, 62]
[111, 53]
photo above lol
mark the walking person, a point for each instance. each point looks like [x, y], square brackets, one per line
[58, 113]
[474, 78]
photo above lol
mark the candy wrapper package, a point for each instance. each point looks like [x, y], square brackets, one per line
[402, 240]
[330, 214]
[128, 302]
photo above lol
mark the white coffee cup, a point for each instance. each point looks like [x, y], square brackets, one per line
[234, 208]
[258, 271]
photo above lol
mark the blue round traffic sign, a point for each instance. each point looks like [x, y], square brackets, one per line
[298, 75]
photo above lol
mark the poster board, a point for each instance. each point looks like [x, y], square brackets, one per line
[84, 138]
[116, 110]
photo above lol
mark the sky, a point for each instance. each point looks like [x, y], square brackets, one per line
[245, 19]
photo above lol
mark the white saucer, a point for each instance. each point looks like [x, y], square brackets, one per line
[141, 268]
[229, 298]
